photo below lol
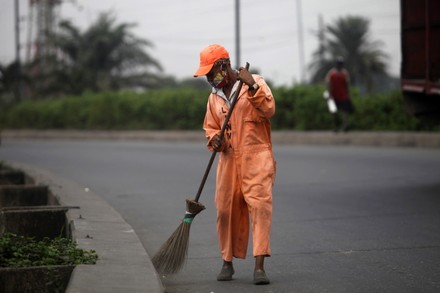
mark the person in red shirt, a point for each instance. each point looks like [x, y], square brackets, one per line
[337, 81]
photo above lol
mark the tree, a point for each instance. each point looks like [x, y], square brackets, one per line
[349, 37]
[107, 56]
[11, 80]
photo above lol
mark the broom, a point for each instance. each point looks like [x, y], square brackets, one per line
[172, 254]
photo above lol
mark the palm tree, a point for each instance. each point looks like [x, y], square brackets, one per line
[349, 37]
[107, 56]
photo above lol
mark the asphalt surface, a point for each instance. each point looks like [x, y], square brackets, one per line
[387, 139]
[346, 257]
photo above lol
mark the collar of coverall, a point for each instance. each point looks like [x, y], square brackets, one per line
[220, 93]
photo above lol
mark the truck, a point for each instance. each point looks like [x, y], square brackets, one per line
[420, 67]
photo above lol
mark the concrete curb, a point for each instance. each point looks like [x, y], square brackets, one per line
[387, 139]
[123, 264]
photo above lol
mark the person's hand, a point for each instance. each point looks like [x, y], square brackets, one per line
[245, 76]
[216, 143]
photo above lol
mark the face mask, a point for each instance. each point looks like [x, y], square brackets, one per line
[220, 79]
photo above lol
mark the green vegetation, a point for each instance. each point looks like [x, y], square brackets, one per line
[303, 108]
[20, 251]
[298, 108]
[164, 109]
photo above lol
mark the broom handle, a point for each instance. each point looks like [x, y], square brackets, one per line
[222, 133]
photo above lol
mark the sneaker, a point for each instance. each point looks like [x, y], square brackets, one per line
[260, 278]
[226, 273]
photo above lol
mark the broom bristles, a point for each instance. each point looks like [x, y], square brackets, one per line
[172, 254]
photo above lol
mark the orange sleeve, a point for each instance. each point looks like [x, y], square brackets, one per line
[211, 124]
[262, 100]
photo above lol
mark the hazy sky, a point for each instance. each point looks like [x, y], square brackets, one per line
[179, 29]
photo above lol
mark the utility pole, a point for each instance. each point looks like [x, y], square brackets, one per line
[300, 41]
[321, 38]
[237, 33]
[17, 53]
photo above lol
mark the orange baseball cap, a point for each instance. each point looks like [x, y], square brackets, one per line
[208, 56]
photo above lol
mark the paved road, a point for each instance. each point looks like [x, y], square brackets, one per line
[346, 219]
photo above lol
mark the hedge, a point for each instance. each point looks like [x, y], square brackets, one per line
[297, 108]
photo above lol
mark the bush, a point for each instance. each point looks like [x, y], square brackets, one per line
[164, 109]
[297, 108]
[20, 251]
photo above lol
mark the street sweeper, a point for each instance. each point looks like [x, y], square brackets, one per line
[246, 166]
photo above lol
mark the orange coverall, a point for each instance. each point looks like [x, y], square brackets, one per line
[246, 170]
